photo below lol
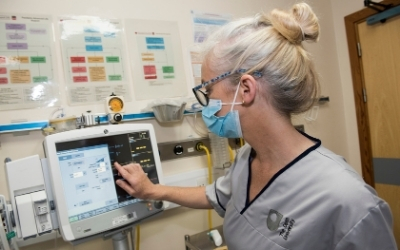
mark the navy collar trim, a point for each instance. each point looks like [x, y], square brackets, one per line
[298, 158]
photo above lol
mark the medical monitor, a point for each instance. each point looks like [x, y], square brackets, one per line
[82, 173]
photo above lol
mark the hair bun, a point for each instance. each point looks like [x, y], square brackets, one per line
[297, 25]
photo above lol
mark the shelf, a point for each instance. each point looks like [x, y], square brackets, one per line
[98, 119]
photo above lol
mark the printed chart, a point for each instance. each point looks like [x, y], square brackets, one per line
[26, 62]
[156, 62]
[93, 59]
[205, 23]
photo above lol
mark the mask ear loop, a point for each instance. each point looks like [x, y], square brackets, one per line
[234, 99]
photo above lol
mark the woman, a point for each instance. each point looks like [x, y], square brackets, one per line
[284, 190]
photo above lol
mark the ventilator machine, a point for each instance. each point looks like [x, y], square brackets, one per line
[72, 190]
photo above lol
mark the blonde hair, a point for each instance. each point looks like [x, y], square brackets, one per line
[271, 44]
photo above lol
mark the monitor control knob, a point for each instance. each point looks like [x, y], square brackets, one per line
[158, 204]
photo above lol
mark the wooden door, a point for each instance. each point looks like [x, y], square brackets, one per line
[380, 57]
[377, 93]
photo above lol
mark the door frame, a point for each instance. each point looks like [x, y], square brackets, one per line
[351, 22]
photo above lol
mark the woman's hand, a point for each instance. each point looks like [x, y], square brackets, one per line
[136, 183]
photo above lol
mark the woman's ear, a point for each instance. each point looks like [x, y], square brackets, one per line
[248, 90]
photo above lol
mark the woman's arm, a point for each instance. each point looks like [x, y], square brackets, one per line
[137, 184]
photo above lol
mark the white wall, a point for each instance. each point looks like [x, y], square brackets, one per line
[336, 124]
[340, 9]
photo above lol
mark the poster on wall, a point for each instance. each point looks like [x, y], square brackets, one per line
[156, 59]
[205, 23]
[93, 57]
[196, 61]
[27, 75]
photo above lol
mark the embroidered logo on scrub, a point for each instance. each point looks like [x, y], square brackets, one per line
[287, 227]
[274, 220]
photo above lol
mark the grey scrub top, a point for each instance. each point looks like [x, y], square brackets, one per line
[315, 202]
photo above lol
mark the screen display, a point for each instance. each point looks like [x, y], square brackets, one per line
[88, 173]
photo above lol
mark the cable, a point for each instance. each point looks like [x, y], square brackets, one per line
[231, 158]
[137, 237]
[209, 163]
[200, 146]
[241, 142]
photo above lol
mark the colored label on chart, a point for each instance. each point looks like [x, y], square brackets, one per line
[17, 46]
[38, 79]
[3, 80]
[20, 76]
[91, 30]
[15, 26]
[149, 69]
[112, 59]
[92, 39]
[149, 57]
[97, 74]
[169, 77]
[150, 77]
[16, 36]
[94, 48]
[154, 40]
[19, 59]
[3, 70]
[95, 59]
[38, 59]
[168, 69]
[79, 70]
[156, 47]
[78, 59]
[110, 34]
[38, 31]
[80, 79]
[114, 77]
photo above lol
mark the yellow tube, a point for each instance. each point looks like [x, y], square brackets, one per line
[231, 158]
[202, 147]
[137, 237]
[209, 163]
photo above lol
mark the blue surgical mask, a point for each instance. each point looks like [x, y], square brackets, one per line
[223, 126]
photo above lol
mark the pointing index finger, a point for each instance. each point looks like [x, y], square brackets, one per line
[120, 169]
